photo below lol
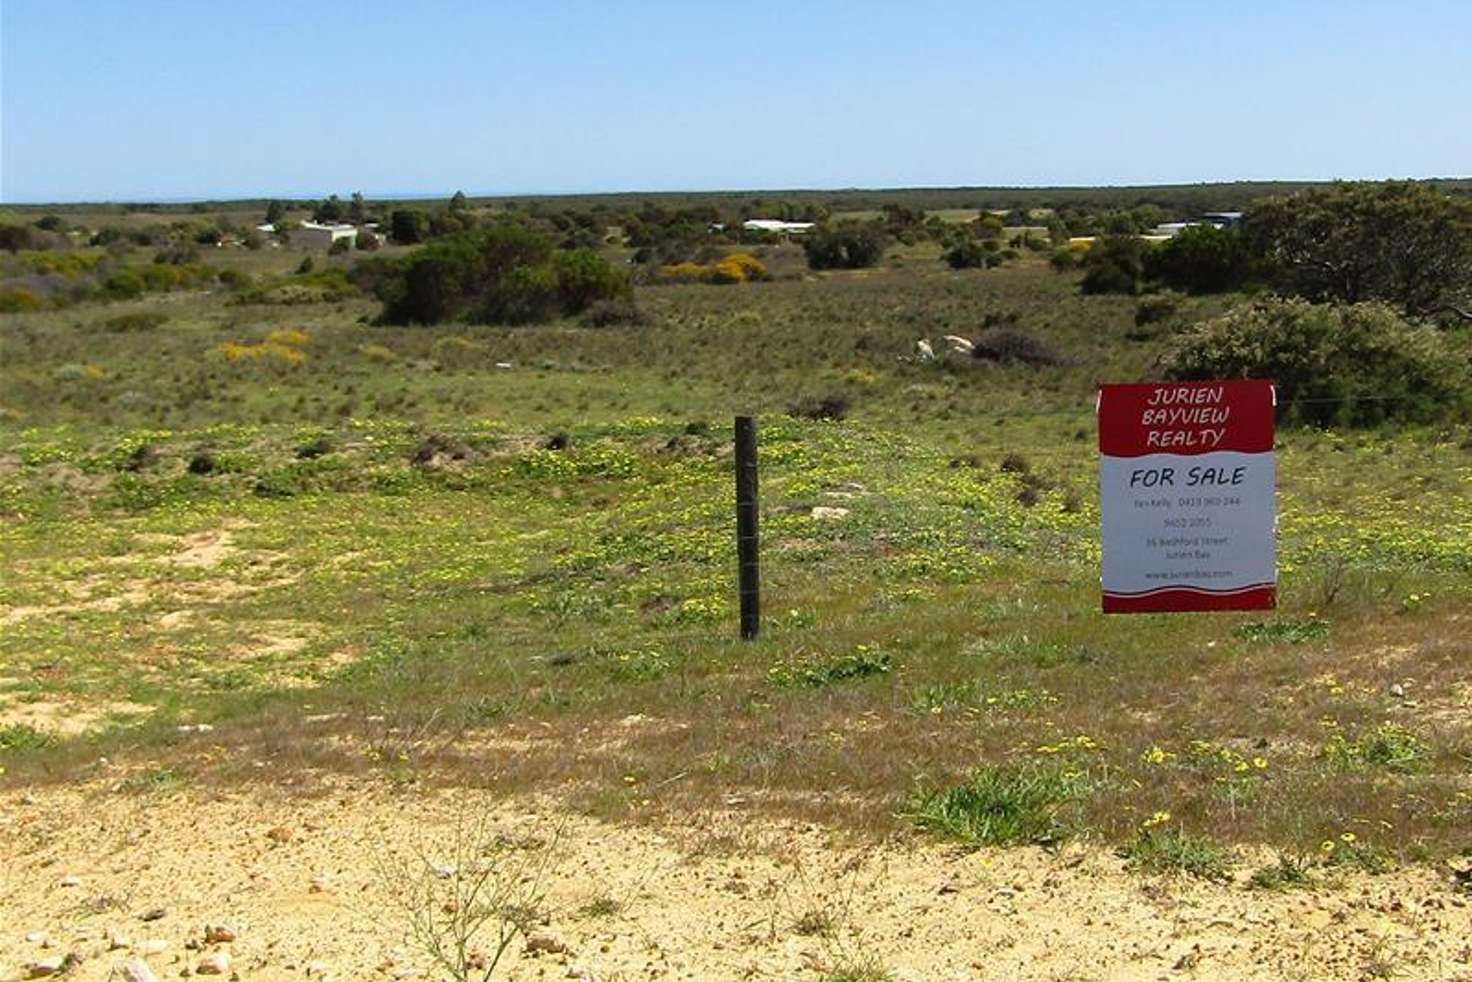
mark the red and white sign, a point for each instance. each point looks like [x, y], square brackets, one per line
[1187, 488]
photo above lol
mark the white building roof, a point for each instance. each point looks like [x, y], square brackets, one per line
[775, 225]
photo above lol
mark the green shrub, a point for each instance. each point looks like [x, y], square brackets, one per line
[14, 238]
[124, 284]
[1202, 259]
[1115, 264]
[847, 245]
[1348, 365]
[1178, 851]
[1152, 310]
[966, 254]
[19, 300]
[1388, 745]
[504, 274]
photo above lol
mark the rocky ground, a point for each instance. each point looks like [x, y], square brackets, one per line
[256, 883]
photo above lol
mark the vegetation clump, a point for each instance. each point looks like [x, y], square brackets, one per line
[844, 245]
[1009, 344]
[1001, 804]
[505, 274]
[1347, 365]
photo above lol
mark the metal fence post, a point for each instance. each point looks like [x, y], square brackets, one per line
[747, 538]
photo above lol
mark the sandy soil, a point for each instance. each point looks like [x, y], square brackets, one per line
[299, 883]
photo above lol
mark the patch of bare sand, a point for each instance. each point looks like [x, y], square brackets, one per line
[296, 878]
[204, 550]
[65, 717]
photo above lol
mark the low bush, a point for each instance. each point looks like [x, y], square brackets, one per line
[834, 406]
[20, 300]
[1153, 309]
[144, 320]
[1115, 264]
[1344, 365]
[505, 274]
[1015, 344]
[739, 267]
[613, 313]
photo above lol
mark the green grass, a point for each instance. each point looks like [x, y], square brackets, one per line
[1001, 804]
[1287, 873]
[331, 604]
[1176, 851]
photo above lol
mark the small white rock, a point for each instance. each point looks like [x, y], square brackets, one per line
[37, 937]
[116, 941]
[824, 513]
[152, 946]
[136, 970]
[215, 963]
[43, 967]
[71, 881]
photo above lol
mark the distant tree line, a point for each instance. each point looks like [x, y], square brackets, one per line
[1408, 244]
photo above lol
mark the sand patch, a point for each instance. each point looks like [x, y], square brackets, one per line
[706, 896]
[66, 718]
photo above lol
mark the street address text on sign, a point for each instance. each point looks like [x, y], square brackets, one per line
[1187, 485]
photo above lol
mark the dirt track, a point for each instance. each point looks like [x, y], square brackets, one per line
[298, 882]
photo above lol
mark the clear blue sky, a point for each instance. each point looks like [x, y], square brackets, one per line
[145, 99]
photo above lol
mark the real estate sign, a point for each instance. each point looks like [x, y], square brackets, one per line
[1187, 485]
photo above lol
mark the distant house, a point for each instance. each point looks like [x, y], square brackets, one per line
[776, 226]
[1216, 219]
[317, 235]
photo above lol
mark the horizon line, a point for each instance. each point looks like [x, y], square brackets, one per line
[846, 189]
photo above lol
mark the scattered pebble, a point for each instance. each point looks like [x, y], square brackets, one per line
[546, 943]
[219, 934]
[281, 834]
[71, 881]
[44, 967]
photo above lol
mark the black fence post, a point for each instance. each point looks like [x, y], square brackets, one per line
[747, 539]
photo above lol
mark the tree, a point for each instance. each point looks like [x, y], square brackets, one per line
[328, 211]
[1403, 242]
[458, 202]
[275, 212]
[407, 226]
[357, 209]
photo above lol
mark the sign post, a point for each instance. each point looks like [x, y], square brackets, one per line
[1187, 487]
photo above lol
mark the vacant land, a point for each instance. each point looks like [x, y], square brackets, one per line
[271, 566]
